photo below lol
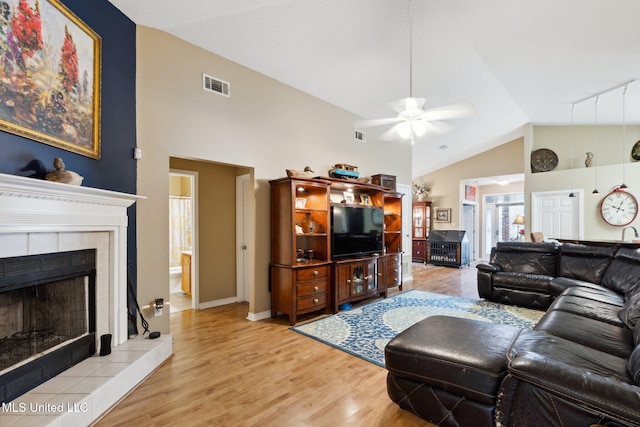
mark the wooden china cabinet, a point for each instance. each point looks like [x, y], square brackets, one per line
[300, 247]
[420, 227]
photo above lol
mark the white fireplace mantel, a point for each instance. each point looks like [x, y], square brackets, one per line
[29, 206]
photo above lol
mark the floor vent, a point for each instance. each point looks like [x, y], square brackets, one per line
[359, 136]
[212, 84]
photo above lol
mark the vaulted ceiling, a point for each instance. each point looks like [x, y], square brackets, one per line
[517, 62]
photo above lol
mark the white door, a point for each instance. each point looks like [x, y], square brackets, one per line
[557, 215]
[242, 237]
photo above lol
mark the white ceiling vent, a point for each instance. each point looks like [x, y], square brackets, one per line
[215, 85]
[359, 136]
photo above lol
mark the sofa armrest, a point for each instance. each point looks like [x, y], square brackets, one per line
[488, 267]
[576, 373]
[485, 278]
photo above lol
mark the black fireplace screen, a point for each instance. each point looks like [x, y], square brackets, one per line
[40, 317]
[47, 317]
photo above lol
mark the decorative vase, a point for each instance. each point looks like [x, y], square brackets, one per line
[589, 160]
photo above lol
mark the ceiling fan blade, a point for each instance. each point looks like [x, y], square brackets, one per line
[376, 122]
[448, 112]
[401, 130]
[437, 127]
[407, 104]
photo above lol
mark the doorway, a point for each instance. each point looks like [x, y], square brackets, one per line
[500, 225]
[182, 235]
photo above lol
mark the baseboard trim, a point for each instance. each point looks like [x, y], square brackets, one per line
[254, 317]
[218, 302]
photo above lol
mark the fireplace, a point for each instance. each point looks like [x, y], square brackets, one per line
[47, 307]
[42, 218]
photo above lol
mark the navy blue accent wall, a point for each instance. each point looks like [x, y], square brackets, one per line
[116, 169]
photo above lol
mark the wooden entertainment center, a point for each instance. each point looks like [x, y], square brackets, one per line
[305, 273]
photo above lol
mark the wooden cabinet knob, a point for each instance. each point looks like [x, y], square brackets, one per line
[316, 300]
[348, 280]
[315, 288]
[315, 272]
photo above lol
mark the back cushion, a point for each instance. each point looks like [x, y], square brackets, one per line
[634, 366]
[583, 262]
[536, 258]
[630, 312]
[624, 271]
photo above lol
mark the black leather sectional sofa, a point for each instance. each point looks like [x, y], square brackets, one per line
[579, 366]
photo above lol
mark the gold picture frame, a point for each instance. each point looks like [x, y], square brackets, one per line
[443, 214]
[50, 90]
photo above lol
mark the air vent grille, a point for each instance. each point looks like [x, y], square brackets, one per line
[215, 85]
[359, 136]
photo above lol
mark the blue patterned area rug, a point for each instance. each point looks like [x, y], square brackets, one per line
[364, 331]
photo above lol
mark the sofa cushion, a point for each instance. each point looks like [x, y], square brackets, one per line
[596, 293]
[624, 271]
[634, 366]
[584, 262]
[630, 312]
[585, 307]
[602, 336]
[525, 257]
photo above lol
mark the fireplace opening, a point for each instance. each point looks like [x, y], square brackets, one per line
[47, 317]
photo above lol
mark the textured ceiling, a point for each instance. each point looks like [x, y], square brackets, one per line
[517, 62]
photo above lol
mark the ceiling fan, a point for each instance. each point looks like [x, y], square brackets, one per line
[412, 120]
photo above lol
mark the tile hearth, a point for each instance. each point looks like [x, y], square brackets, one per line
[81, 394]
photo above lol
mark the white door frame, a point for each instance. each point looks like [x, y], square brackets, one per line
[243, 238]
[406, 191]
[195, 259]
[472, 234]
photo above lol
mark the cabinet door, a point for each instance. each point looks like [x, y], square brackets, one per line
[371, 275]
[419, 222]
[343, 283]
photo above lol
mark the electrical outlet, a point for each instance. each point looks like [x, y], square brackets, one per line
[158, 304]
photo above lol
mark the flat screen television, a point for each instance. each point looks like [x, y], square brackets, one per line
[356, 230]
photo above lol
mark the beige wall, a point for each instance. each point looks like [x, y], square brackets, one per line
[216, 201]
[445, 185]
[612, 161]
[265, 125]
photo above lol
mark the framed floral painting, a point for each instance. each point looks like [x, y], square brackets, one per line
[50, 76]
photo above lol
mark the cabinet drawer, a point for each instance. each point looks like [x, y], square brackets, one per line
[312, 288]
[394, 260]
[393, 275]
[314, 301]
[311, 273]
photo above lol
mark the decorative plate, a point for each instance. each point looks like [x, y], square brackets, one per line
[543, 160]
[635, 151]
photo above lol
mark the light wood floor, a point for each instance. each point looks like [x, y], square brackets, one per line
[228, 371]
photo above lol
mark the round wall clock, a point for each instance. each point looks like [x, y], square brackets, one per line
[619, 208]
[543, 160]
